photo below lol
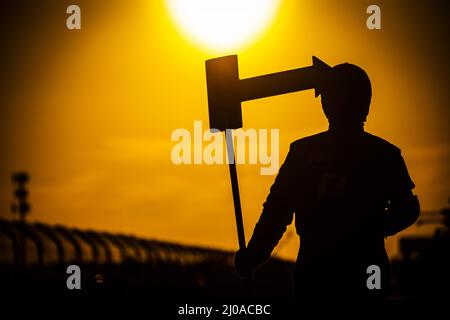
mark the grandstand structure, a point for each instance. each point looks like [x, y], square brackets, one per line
[35, 256]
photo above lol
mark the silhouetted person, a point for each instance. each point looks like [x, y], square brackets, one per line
[349, 190]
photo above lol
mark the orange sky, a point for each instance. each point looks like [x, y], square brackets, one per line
[89, 113]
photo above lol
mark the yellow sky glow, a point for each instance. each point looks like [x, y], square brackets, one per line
[89, 113]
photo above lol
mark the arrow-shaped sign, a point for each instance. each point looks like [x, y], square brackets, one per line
[226, 92]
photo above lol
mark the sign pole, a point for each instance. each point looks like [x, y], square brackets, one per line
[235, 188]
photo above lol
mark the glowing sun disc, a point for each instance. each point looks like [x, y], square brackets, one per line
[222, 24]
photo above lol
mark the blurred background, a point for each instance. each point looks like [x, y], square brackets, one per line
[89, 113]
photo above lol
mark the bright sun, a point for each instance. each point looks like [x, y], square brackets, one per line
[222, 24]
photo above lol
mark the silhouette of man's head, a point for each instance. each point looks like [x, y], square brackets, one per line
[346, 95]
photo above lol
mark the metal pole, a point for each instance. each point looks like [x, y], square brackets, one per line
[235, 189]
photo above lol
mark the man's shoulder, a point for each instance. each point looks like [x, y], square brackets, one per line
[309, 140]
[323, 139]
[381, 144]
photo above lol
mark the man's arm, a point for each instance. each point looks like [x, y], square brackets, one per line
[277, 214]
[403, 208]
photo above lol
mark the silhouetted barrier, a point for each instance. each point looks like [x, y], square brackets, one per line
[60, 245]
[126, 265]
